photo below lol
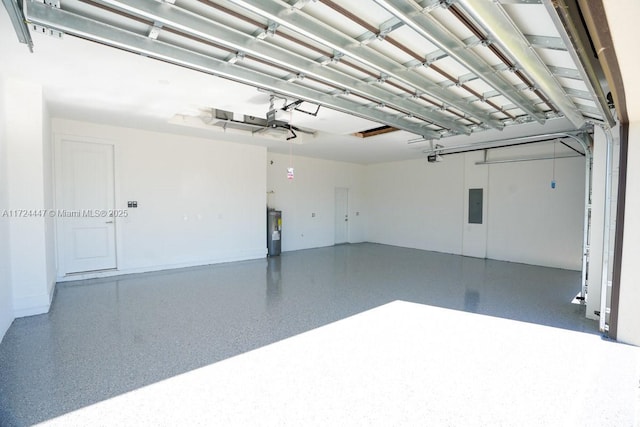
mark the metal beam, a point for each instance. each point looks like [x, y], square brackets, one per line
[302, 23]
[527, 159]
[567, 73]
[19, 25]
[502, 143]
[429, 28]
[383, 30]
[207, 29]
[567, 19]
[506, 34]
[440, 54]
[582, 94]
[592, 111]
[520, 1]
[106, 34]
[544, 42]
[469, 77]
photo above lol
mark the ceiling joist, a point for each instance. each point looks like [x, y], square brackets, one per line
[435, 68]
[93, 30]
[505, 33]
[566, 19]
[431, 29]
[213, 31]
[324, 34]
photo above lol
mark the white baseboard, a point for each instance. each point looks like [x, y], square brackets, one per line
[26, 306]
[243, 256]
[5, 321]
[32, 305]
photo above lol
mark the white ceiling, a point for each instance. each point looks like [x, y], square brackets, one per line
[86, 81]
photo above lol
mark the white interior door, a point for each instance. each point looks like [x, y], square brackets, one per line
[85, 207]
[342, 215]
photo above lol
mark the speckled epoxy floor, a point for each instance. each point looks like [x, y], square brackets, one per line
[106, 337]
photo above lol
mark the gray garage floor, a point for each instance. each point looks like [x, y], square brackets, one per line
[106, 337]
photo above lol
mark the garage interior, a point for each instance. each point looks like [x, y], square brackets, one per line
[457, 237]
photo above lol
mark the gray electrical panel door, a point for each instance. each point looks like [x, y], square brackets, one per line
[475, 206]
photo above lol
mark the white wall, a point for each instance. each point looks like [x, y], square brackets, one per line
[6, 294]
[49, 189]
[474, 236]
[628, 320]
[25, 126]
[312, 191]
[417, 204]
[200, 201]
[424, 205]
[528, 221]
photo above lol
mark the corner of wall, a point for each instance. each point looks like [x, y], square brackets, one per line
[308, 201]
[628, 328]
[27, 155]
[223, 196]
[49, 203]
[6, 295]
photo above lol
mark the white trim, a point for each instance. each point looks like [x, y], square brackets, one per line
[5, 324]
[243, 256]
[335, 213]
[32, 305]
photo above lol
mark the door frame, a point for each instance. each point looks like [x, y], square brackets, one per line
[61, 269]
[335, 215]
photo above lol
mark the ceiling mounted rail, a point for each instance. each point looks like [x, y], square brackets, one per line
[565, 16]
[527, 159]
[383, 34]
[207, 29]
[435, 68]
[503, 32]
[18, 22]
[429, 28]
[387, 38]
[298, 21]
[388, 26]
[579, 137]
[510, 65]
[93, 30]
